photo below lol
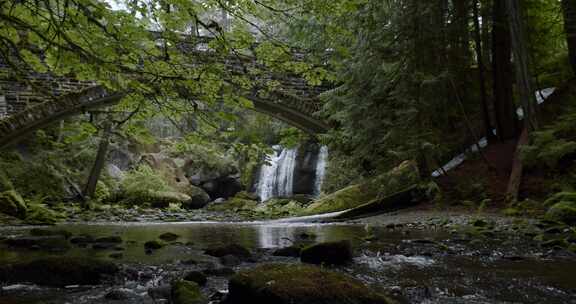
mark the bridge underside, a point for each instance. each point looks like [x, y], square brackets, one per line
[20, 124]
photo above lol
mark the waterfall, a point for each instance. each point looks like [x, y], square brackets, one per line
[277, 177]
[320, 169]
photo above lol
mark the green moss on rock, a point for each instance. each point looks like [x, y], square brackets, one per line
[564, 211]
[302, 284]
[13, 204]
[187, 292]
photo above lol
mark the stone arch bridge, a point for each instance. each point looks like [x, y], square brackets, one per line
[24, 109]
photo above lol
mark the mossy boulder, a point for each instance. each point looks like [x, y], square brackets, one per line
[59, 271]
[198, 198]
[187, 292]
[564, 211]
[13, 204]
[329, 253]
[235, 204]
[302, 284]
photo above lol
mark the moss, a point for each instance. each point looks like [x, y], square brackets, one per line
[235, 204]
[381, 186]
[564, 211]
[343, 199]
[156, 199]
[39, 214]
[303, 284]
[13, 204]
[187, 292]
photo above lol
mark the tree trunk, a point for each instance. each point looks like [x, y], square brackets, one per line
[522, 63]
[516, 174]
[504, 112]
[481, 71]
[569, 8]
[100, 161]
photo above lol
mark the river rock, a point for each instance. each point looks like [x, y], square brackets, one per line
[186, 292]
[330, 253]
[302, 284]
[48, 232]
[54, 243]
[58, 271]
[11, 203]
[153, 245]
[196, 277]
[168, 237]
[231, 249]
[291, 251]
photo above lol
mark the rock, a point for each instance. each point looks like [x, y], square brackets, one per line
[186, 292]
[225, 187]
[109, 239]
[82, 239]
[196, 277]
[219, 200]
[302, 284]
[13, 204]
[230, 260]
[47, 243]
[232, 249]
[330, 253]
[153, 245]
[47, 232]
[198, 198]
[58, 271]
[305, 168]
[224, 271]
[163, 199]
[291, 251]
[119, 294]
[114, 172]
[564, 211]
[161, 292]
[168, 237]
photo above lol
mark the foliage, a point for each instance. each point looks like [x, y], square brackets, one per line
[550, 145]
[143, 179]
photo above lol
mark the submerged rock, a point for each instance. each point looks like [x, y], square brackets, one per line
[291, 251]
[58, 271]
[168, 237]
[302, 284]
[330, 253]
[13, 204]
[109, 239]
[153, 245]
[48, 232]
[186, 292]
[232, 249]
[46, 243]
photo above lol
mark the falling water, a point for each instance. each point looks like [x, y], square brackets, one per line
[320, 169]
[276, 177]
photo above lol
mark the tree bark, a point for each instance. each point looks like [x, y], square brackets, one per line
[504, 112]
[522, 63]
[481, 70]
[517, 168]
[569, 8]
[100, 161]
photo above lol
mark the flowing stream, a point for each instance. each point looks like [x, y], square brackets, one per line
[441, 269]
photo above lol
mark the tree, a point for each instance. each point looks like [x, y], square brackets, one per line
[522, 64]
[569, 9]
